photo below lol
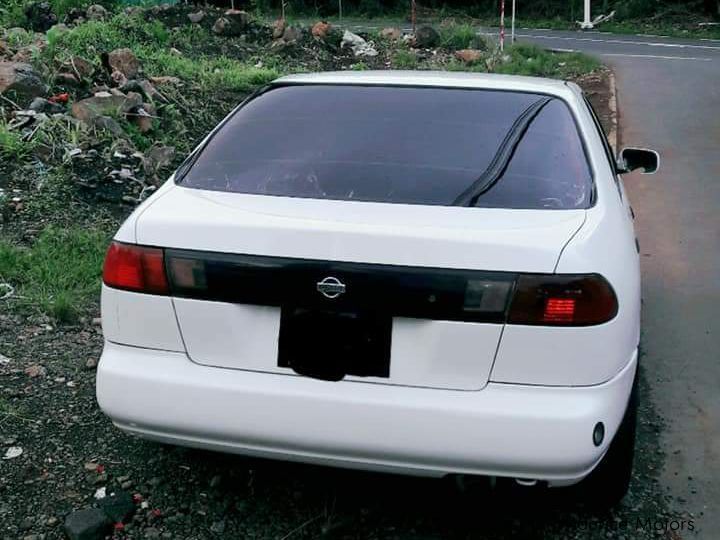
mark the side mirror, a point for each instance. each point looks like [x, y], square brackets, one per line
[631, 159]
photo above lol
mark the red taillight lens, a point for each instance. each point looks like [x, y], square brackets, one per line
[135, 268]
[562, 300]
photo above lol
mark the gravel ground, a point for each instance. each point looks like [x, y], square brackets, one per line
[71, 451]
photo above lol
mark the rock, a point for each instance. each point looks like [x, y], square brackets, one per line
[359, 46]
[91, 363]
[278, 28]
[196, 17]
[232, 23]
[221, 25]
[66, 79]
[96, 13]
[103, 104]
[22, 80]
[13, 452]
[321, 29]
[118, 507]
[75, 15]
[35, 370]
[42, 105]
[426, 37]
[142, 87]
[106, 123]
[26, 54]
[89, 524]
[80, 67]
[143, 118]
[157, 158]
[393, 33]
[469, 56]
[125, 62]
[165, 79]
[292, 33]
[40, 16]
[238, 16]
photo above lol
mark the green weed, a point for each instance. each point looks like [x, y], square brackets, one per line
[461, 36]
[12, 147]
[405, 60]
[534, 61]
[59, 274]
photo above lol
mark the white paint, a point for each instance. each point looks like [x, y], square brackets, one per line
[512, 24]
[622, 42]
[504, 430]
[587, 23]
[658, 57]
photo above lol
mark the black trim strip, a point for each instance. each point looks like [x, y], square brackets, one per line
[405, 291]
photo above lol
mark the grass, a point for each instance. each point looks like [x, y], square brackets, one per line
[404, 59]
[151, 42]
[534, 61]
[59, 274]
[460, 36]
[12, 147]
[12, 12]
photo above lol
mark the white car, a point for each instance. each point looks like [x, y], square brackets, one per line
[416, 272]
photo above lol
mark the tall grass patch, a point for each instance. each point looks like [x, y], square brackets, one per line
[59, 274]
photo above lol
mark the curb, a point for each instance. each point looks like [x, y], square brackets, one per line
[612, 105]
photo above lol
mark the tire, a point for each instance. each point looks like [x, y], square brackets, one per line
[608, 483]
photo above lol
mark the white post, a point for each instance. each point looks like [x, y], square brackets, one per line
[587, 23]
[512, 24]
[502, 25]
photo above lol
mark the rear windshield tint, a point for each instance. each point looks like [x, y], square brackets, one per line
[395, 144]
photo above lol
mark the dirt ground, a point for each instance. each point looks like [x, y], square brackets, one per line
[70, 450]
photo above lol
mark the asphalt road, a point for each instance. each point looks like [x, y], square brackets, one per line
[668, 94]
[669, 99]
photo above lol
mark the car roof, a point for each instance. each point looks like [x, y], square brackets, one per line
[437, 79]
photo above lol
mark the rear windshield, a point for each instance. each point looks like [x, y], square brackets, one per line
[398, 145]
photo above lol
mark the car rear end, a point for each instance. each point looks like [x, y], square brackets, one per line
[317, 288]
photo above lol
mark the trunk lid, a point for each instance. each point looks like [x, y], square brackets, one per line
[330, 237]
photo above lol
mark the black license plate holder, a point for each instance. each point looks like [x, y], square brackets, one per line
[331, 344]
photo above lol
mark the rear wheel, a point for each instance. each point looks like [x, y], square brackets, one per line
[608, 483]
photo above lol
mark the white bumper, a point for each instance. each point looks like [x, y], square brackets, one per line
[533, 432]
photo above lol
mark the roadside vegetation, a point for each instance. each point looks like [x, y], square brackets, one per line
[58, 273]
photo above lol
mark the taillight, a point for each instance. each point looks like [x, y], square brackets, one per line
[562, 300]
[135, 268]
[187, 274]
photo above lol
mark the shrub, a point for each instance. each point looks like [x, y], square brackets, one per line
[461, 36]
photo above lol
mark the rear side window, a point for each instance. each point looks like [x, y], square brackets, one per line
[398, 145]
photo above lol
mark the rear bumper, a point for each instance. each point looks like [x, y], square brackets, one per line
[535, 432]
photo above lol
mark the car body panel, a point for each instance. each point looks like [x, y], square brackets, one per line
[505, 430]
